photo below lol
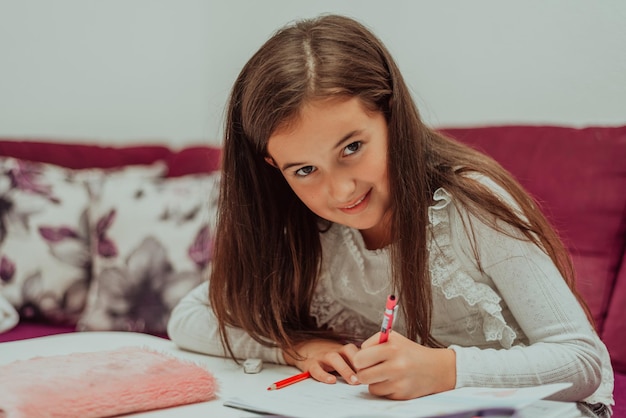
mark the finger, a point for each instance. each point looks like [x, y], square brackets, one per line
[370, 356]
[386, 389]
[374, 374]
[371, 341]
[321, 375]
[342, 367]
[348, 352]
[379, 389]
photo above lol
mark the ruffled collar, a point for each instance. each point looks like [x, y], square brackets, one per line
[448, 275]
[349, 261]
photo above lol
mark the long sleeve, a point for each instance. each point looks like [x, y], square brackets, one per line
[553, 342]
[561, 343]
[193, 326]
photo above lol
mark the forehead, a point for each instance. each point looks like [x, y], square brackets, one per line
[322, 119]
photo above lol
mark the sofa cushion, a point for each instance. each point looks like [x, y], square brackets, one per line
[151, 245]
[579, 178]
[44, 241]
[45, 259]
[33, 329]
[614, 334]
[9, 317]
[619, 394]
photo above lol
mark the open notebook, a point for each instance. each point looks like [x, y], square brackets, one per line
[312, 399]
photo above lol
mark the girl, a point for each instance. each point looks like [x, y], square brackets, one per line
[335, 194]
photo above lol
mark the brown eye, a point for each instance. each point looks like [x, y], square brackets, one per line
[352, 148]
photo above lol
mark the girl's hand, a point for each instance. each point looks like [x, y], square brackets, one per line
[321, 357]
[404, 369]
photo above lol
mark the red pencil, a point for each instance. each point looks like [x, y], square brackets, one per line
[289, 381]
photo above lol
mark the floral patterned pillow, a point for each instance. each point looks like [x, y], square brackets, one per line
[152, 243]
[45, 261]
[44, 251]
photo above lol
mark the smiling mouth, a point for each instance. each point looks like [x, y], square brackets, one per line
[355, 204]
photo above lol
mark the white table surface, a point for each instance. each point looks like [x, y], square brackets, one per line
[230, 376]
[232, 381]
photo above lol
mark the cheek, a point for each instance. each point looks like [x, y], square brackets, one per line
[375, 169]
[308, 195]
[301, 191]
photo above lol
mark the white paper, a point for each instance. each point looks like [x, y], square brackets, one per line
[312, 399]
[550, 409]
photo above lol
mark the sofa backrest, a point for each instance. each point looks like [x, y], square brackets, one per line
[189, 160]
[614, 334]
[578, 177]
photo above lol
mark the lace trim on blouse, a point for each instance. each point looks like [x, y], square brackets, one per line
[448, 275]
[327, 311]
[324, 307]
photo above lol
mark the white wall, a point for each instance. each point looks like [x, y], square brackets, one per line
[124, 71]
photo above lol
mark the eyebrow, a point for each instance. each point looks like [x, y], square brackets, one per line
[343, 139]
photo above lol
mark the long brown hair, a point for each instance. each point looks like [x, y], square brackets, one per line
[267, 250]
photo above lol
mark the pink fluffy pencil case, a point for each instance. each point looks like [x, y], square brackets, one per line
[100, 384]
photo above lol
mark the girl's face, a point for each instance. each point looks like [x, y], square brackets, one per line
[334, 157]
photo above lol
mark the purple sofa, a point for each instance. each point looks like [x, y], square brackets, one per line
[577, 175]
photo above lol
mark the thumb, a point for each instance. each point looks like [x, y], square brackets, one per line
[371, 341]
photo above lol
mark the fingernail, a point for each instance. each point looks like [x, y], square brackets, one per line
[330, 379]
[354, 379]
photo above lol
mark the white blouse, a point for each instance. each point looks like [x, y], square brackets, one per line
[516, 323]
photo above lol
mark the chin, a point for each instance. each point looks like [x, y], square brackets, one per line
[362, 226]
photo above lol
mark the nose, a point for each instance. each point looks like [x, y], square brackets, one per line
[341, 186]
